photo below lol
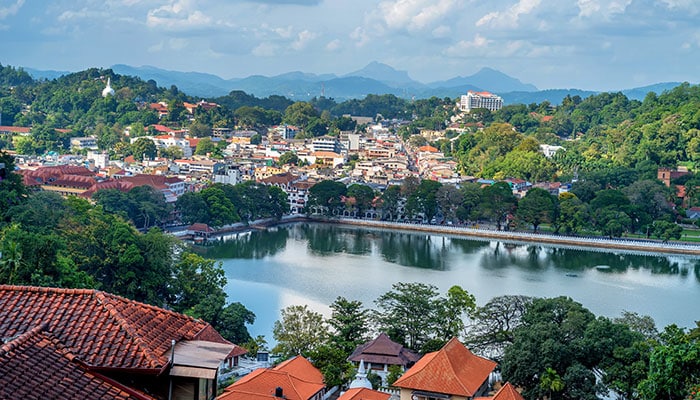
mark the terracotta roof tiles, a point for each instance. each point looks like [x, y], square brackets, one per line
[297, 377]
[36, 365]
[452, 370]
[364, 394]
[103, 330]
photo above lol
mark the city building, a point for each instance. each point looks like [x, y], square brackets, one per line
[486, 100]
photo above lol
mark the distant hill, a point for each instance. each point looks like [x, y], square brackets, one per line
[641, 92]
[385, 74]
[488, 79]
[48, 74]
[192, 83]
[375, 78]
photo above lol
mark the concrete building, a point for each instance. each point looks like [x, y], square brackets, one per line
[486, 100]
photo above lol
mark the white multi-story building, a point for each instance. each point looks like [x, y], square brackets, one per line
[486, 100]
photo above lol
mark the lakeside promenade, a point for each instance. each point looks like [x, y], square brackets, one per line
[632, 245]
[585, 242]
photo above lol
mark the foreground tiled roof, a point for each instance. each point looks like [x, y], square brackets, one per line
[35, 365]
[298, 379]
[383, 350]
[364, 394]
[506, 392]
[103, 330]
[452, 370]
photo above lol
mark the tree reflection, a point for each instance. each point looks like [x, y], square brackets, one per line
[252, 245]
[534, 257]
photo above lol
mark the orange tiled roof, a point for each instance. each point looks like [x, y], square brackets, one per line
[428, 149]
[364, 394]
[298, 379]
[102, 329]
[506, 392]
[37, 365]
[301, 367]
[452, 370]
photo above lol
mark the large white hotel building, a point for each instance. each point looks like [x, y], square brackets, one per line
[486, 100]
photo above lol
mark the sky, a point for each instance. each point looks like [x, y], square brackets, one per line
[584, 44]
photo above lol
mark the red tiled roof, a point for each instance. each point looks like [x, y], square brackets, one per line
[200, 227]
[162, 128]
[383, 350]
[452, 370]
[364, 394]
[103, 330]
[506, 392]
[428, 149]
[284, 178]
[37, 365]
[15, 129]
[298, 379]
[300, 367]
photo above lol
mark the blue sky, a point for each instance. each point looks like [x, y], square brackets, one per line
[587, 44]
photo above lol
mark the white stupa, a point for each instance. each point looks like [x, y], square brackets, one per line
[361, 380]
[108, 91]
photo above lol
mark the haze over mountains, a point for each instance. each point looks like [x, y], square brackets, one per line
[375, 78]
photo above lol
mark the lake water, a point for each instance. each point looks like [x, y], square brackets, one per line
[310, 263]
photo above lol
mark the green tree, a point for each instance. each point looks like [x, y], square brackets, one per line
[573, 213]
[408, 313]
[300, 331]
[494, 325]
[205, 146]
[144, 148]
[349, 320]
[537, 207]
[498, 202]
[362, 196]
[552, 335]
[666, 231]
[172, 153]
[327, 195]
[674, 365]
[289, 158]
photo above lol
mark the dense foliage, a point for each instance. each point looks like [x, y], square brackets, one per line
[46, 240]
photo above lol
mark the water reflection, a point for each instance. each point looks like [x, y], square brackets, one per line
[440, 253]
[250, 245]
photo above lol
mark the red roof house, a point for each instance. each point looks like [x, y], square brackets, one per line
[294, 379]
[98, 339]
[364, 394]
[451, 371]
[506, 392]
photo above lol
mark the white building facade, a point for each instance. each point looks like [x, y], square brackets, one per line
[486, 100]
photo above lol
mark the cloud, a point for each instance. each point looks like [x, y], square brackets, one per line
[605, 8]
[294, 2]
[303, 39]
[415, 15]
[11, 9]
[265, 49]
[333, 45]
[509, 17]
[178, 16]
[464, 48]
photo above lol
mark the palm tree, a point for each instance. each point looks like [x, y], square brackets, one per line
[551, 382]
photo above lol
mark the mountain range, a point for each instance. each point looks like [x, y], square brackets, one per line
[375, 78]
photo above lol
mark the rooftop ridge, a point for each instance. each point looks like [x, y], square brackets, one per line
[18, 341]
[124, 324]
[452, 365]
[41, 289]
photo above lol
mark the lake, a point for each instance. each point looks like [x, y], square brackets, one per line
[313, 263]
